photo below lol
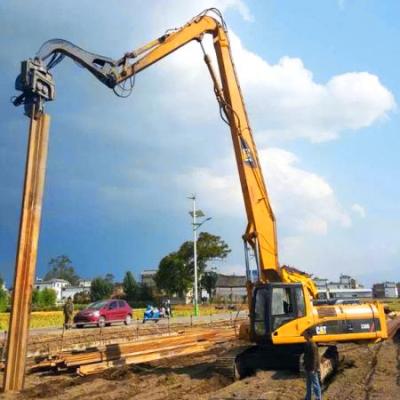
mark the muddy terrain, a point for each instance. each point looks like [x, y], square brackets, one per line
[366, 373]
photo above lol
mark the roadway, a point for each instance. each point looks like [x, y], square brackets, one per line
[202, 319]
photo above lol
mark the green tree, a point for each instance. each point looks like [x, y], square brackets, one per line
[101, 289]
[35, 297]
[208, 282]
[176, 270]
[131, 288]
[47, 297]
[82, 297]
[173, 275]
[44, 298]
[209, 248]
[145, 293]
[61, 268]
[3, 297]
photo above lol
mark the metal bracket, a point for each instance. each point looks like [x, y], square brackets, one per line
[103, 68]
[37, 86]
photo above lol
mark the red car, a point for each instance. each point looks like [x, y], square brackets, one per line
[105, 312]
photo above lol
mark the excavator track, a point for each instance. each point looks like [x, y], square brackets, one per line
[245, 360]
[227, 363]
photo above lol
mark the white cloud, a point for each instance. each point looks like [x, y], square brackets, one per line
[359, 210]
[283, 99]
[287, 101]
[302, 200]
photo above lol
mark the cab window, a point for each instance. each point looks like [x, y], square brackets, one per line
[259, 312]
[282, 307]
[301, 307]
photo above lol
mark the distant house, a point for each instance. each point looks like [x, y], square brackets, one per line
[230, 288]
[63, 288]
[4, 287]
[385, 290]
[346, 288]
[147, 278]
[85, 283]
[71, 291]
[56, 284]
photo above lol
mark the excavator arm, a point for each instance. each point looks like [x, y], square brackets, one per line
[37, 86]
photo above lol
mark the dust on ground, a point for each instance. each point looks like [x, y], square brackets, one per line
[366, 373]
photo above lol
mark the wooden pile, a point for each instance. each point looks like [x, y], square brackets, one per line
[116, 355]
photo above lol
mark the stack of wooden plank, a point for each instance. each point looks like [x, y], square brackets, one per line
[140, 351]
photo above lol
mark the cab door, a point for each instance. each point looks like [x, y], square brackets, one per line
[277, 306]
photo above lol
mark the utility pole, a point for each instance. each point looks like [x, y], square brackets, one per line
[196, 225]
[196, 284]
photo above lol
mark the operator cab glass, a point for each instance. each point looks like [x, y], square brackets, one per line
[275, 305]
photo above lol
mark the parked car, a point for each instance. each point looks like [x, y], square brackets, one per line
[105, 312]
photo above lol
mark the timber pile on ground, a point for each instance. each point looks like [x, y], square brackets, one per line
[140, 351]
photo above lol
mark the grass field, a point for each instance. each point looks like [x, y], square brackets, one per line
[49, 319]
[393, 304]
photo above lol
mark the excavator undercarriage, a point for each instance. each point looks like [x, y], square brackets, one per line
[245, 360]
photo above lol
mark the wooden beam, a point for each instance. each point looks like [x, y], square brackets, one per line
[26, 253]
[145, 356]
[114, 352]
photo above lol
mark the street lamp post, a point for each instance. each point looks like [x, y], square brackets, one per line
[196, 225]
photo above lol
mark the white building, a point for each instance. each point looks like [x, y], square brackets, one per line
[85, 283]
[147, 277]
[56, 284]
[63, 288]
[71, 291]
[4, 287]
[385, 290]
[346, 288]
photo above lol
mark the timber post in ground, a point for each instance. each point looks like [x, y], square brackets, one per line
[25, 267]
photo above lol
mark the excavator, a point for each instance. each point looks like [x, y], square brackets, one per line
[282, 300]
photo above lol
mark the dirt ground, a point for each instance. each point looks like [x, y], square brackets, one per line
[366, 373]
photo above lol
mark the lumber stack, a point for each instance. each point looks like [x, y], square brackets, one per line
[137, 352]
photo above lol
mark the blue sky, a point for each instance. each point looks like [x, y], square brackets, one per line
[320, 81]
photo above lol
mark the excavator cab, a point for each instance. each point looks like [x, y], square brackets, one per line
[275, 304]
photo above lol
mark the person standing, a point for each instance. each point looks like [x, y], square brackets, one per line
[168, 307]
[311, 366]
[68, 313]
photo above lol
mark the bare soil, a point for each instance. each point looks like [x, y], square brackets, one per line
[366, 373]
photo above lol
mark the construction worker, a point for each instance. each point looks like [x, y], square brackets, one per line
[68, 313]
[168, 308]
[311, 366]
